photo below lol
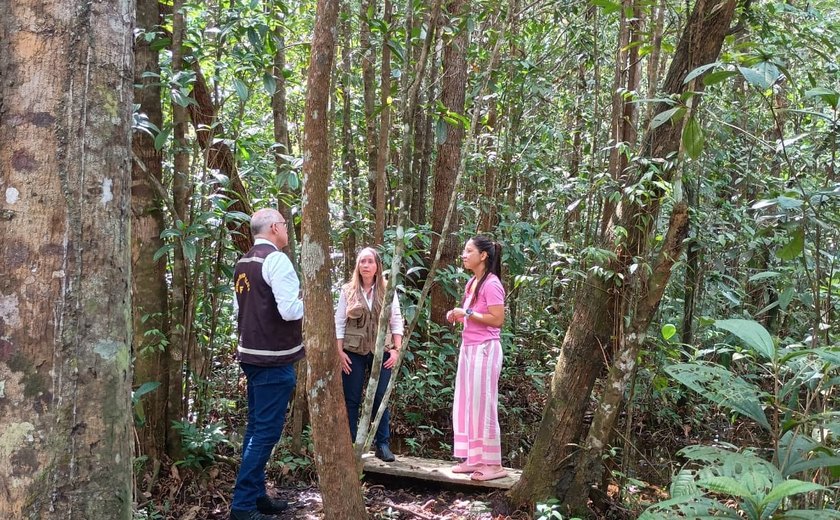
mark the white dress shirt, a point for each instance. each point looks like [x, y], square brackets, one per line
[280, 275]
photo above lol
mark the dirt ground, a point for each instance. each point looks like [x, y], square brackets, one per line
[187, 495]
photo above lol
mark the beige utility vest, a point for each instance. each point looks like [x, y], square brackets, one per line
[360, 332]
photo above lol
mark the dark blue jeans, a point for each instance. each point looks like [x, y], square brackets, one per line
[269, 389]
[354, 382]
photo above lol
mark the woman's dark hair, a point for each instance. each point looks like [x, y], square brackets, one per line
[493, 262]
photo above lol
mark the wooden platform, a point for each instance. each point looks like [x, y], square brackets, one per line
[434, 470]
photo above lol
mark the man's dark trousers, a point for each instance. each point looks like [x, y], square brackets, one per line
[269, 389]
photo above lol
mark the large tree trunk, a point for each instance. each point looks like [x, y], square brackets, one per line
[335, 462]
[149, 292]
[589, 467]
[551, 463]
[65, 326]
[453, 95]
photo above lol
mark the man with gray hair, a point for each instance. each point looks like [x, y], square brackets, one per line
[269, 314]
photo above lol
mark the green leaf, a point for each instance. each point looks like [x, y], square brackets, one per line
[441, 131]
[829, 96]
[607, 6]
[665, 116]
[752, 333]
[763, 276]
[789, 488]
[699, 71]
[269, 83]
[692, 138]
[683, 485]
[162, 137]
[762, 77]
[789, 202]
[689, 506]
[241, 89]
[811, 514]
[144, 389]
[713, 78]
[163, 251]
[160, 44]
[722, 387]
[668, 331]
[786, 297]
[189, 251]
[793, 248]
[726, 486]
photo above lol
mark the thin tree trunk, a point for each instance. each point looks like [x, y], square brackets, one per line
[335, 462]
[654, 57]
[551, 464]
[453, 95]
[180, 195]
[300, 410]
[692, 272]
[420, 199]
[624, 118]
[413, 139]
[369, 84]
[383, 155]
[487, 204]
[65, 347]
[150, 309]
[348, 152]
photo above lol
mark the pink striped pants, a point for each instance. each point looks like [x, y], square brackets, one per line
[475, 412]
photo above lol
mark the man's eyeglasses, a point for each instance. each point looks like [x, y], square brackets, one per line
[283, 222]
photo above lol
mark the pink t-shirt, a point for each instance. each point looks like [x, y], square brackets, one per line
[491, 293]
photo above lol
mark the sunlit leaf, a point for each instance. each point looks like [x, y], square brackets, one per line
[752, 333]
[665, 116]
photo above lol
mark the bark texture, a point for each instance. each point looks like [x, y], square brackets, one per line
[150, 311]
[65, 326]
[335, 462]
[453, 95]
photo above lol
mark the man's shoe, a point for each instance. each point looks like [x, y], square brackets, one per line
[271, 506]
[238, 514]
[383, 452]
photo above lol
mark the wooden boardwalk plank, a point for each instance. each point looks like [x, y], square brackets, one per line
[434, 470]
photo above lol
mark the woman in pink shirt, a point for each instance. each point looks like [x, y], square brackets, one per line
[475, 413]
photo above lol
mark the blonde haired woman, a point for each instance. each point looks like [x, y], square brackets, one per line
[356, 322]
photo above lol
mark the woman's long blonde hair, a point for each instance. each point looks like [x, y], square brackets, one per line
[353, 288]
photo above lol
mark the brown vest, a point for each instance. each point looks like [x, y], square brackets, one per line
[360, 332]
[270, 340]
